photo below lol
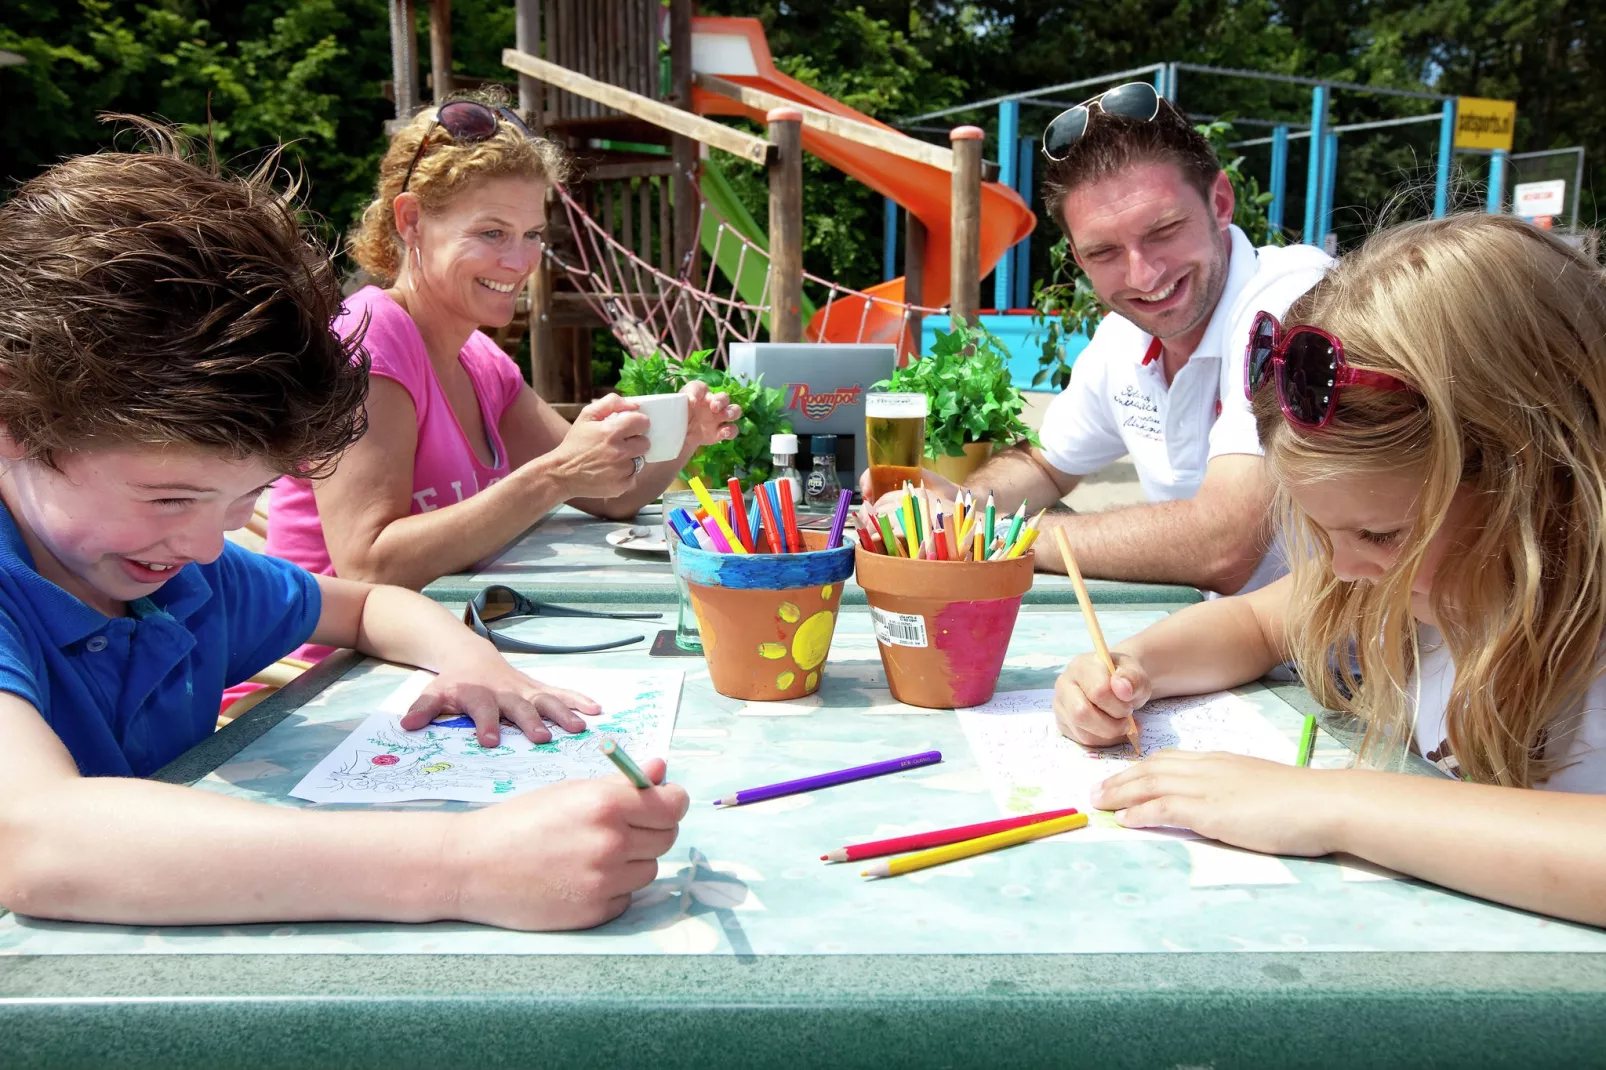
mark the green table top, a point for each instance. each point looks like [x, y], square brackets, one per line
[565, 557]
[748, 952]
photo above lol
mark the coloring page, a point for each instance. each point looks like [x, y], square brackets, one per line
[1030, 766]
[381, 763]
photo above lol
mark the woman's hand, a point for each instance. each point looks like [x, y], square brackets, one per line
[1247, 802]
[712, 418]
[1093, 707]
[563, 857]
[485, 687]
[597, 458]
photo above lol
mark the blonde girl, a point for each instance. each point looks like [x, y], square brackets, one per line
[1434, 416]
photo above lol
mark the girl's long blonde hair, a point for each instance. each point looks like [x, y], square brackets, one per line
[444, 170]
[1500, 329]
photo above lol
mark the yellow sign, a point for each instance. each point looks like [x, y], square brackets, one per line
[1484, 124]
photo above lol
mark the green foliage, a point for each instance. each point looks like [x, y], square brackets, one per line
[748, 454]
[966, 377]
[1065, 304]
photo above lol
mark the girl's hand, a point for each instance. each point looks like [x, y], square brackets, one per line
[488, 689]
[563, 857]
[1247, 802]
[1091, 706]
[712, 418]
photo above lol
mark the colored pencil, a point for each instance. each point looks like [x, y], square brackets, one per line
[992, 516]
[911, 529]
[921, 841]
[772, 528]
[959, 510]
[981, 845]
[616, 754]
[923, 497]
[717, 515]
[844, 499]
[1093, 629]
[1015, 524]
[889, 537]
[827, 780]
[1307, 741]
[739, 514]
[794, 538]
[979, 548]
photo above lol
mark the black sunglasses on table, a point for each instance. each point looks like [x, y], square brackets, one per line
[498, 604]
[1134, 100]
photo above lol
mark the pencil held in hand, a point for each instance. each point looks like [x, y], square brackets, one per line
[1093, 629]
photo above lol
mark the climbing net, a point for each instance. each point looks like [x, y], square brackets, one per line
[650, 310]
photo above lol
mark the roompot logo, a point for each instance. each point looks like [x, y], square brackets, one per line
[819, 406]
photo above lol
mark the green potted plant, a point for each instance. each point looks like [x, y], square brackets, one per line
[746, 456]
[975, 405]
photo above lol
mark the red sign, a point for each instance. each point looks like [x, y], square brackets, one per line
[819, 406]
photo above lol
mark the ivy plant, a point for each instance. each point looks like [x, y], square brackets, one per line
[973, 399]
[746, 456]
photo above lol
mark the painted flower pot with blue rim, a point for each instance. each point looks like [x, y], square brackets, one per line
[943, 627]
[766, 620]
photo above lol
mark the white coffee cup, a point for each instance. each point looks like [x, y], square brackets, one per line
[667, 415]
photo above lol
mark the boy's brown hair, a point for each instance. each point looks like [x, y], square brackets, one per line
[147, 299]
[1114, 143]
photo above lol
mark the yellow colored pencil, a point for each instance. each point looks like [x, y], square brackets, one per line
[1028, 535]
[1093, 628]
[952, 852]
[910, 528]
[959, 510]
[977, 539]
[717, 513]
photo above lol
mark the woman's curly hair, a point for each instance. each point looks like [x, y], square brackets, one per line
[149, 298]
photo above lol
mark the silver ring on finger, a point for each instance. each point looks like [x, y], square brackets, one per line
[638, 464]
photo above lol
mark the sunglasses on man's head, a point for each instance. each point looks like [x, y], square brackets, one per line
[1309, 367]
[467, 121]
[1134, 100]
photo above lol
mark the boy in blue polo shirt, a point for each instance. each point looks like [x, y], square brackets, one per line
[164, 356]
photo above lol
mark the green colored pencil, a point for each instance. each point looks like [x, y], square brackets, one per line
[992, 515]
[1307, 740]
[616, 754]
[1015, 525]
[888, 536]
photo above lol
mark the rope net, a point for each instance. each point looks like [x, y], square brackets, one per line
[649, 310]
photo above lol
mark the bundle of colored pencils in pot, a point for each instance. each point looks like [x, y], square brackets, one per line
[920, 529]
[767, 525]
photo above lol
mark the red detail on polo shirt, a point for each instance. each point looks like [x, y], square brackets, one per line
[1155, 349]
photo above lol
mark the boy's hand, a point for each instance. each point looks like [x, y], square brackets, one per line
[1091, 706]
[564, 857]
[1247, 802]
[488, 689]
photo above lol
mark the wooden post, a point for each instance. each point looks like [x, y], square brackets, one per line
[965, 280]
[546, 370]
[527, 38]
[684, 190]
[914, 275]
[786, 225]
[440, 48]
[404, 57]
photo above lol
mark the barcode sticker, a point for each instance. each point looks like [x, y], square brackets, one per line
[899, 629]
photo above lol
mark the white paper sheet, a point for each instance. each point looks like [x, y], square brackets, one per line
[1030, 766]
[381, 763]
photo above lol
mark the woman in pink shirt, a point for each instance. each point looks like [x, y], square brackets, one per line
[461, 455]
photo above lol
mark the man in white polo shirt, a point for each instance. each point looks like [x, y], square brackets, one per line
[1148, 211]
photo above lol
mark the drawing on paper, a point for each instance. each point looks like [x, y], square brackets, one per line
[1030, 766]
[379, 762]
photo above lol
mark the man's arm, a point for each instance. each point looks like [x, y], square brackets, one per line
[1213, 540]
[1021, 473]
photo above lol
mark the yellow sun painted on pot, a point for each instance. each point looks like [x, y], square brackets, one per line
[773, 651]
[813, 640]
[784, 680]
[788, 612]
[812, 681]
[825, 592]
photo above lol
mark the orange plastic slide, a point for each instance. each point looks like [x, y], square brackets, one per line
[737, 50]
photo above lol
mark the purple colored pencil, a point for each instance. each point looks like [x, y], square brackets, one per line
[827, 780]
[840, 520]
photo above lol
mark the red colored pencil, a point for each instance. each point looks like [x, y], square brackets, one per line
[794, 538]
[772, 530]
[740, 514]
[922, 840]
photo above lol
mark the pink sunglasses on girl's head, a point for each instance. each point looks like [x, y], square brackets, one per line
[1309, 366]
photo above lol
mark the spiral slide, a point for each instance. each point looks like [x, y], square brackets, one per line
[737, 50]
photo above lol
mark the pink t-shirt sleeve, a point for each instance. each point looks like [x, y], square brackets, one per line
[394, 348]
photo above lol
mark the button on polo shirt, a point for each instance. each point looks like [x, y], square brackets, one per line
[128, 694]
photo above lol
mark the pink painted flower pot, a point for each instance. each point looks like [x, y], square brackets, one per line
[943, 627]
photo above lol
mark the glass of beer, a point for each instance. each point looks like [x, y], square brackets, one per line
[894, 440]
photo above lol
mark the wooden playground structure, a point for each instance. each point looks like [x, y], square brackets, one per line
[590, 77]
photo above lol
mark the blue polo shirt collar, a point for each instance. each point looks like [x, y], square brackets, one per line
[69, 620]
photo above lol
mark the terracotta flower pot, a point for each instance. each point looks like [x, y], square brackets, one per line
[766, 620]
[959, 469]
[943, 627]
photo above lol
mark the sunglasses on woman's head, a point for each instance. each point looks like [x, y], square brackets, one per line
[467, 121]
[1134, 100]
[1309, 367]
